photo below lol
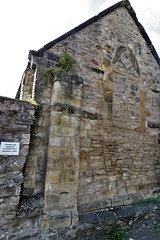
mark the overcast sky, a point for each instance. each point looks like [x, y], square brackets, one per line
[30, 24]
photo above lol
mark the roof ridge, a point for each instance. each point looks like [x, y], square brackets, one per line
[123, 3]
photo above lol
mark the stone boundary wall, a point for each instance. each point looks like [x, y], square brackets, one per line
[16, 118]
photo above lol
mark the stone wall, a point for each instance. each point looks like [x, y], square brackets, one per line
[94, 144]
[16, 118]
[119, 152]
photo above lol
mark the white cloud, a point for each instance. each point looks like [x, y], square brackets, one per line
[29, 25]
[107, 4]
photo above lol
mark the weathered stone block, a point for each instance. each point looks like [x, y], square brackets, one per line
[52, 199]
[57, 86]
[55, 119]
[53, 176]
[25, 139]
[69, 175]
[61, 220]
[64, 151]
[131, 190]
[56, 97]
[31, 161]
[67, 131]
[52, 151]
[85, 141]
[55, 141]
[71, 163]
[111, 194]
[75, 101]
[44, 224]
[83, 164]
[24, 150]
[83, 133]
[61, 188]
[14, 201]
[84, 155]
[75, 121]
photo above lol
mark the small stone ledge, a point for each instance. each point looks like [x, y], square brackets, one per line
[68, 78]
[97, 217]
[65, 107]
[92, 115]
[123, 213]
[72, 109]
[46, 61]
[12, 100]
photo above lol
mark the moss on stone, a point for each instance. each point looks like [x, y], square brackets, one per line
[50, 72]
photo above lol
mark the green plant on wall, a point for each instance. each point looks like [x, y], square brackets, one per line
[116, 233]
[65, 62]
[157, 227]
[50, 72]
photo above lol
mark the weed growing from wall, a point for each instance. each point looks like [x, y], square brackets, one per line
[157, 227]
[50, 72]
[115, 233]
[65, 62]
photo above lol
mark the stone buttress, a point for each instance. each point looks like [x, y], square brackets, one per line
[62, 171]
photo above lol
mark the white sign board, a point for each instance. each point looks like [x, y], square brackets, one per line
[9, 148]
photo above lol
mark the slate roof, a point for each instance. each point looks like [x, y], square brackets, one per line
[125, 4]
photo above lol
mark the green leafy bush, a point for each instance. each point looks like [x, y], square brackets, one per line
[157, 227]
[65, 62]
[116, 233]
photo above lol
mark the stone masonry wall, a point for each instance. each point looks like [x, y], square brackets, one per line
[119, 153]
[16, 118]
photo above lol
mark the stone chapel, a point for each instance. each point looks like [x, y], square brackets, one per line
[89, 134]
